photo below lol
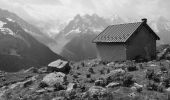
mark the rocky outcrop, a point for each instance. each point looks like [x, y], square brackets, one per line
[59, 66]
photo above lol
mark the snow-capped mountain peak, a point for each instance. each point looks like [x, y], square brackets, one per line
[85, 24]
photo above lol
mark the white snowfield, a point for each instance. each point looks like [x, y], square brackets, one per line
[4, 30]
[9, 19]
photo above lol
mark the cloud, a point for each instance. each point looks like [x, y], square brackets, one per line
[55, 12]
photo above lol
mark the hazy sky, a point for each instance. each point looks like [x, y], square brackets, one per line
[62, 10]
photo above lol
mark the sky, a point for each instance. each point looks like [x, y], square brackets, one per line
[46, 13]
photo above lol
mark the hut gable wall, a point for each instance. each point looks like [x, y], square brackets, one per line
[141, 44]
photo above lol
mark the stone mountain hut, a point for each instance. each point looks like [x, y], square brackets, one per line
[127, 42]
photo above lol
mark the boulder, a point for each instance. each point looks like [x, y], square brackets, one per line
[97, 91]
[59, 66]
[54, 78]
[113, 84]
[113, 75]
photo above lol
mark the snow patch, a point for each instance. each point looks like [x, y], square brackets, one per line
[9, 19]
[2, 24]
[73, 31]
[6, 31]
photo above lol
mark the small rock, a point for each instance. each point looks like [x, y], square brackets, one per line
[31, 70]
[58, 98]
[168, 89]
[42, 70]
[111, 64]
[27, 83]
[40, 91]
[99, 83]
[71, 86]
[137, 85]
[112, 85]
[132, 95]
[152, 65]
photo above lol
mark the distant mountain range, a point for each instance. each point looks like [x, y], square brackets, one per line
[83, 29]
[18, 48]
[74, 41]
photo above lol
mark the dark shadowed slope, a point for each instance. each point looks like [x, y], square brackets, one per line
[19, 50]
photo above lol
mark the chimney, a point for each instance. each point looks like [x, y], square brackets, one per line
[144, 20]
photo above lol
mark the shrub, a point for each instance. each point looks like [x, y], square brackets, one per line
[101, 71]
[59, 86]
[151, 86]
[108, 71]
[163, 68]
[166, 81]
[132, 68]
[149, 73]
[43, 85]
[91, 70]
[75, 76]
[103, 62]
[156, 78]
[155, 86]
[88, 75]
[128, 80]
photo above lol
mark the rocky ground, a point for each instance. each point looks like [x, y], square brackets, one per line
[89, 80]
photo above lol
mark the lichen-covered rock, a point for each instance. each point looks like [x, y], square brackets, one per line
[54, 78]
[59, 66]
